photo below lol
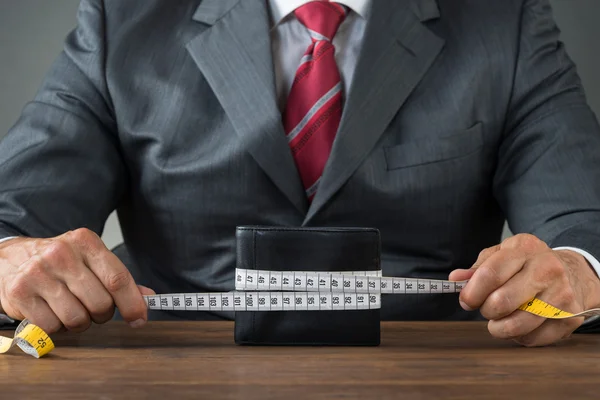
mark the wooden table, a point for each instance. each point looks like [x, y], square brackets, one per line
[199, 360]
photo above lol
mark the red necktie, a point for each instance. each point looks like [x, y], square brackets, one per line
[314, 107]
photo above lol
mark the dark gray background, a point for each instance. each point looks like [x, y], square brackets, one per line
[32, 31]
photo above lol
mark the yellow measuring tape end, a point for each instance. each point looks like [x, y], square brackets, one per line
[543, 309]
[30, 338]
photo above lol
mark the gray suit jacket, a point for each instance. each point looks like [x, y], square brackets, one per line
[462, 113]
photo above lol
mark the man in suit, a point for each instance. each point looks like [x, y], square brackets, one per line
[431, 120]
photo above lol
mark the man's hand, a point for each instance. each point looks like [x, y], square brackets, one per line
[507, 275]
[67, 281]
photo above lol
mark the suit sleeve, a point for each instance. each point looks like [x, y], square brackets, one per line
[60, 164]
[548, 173]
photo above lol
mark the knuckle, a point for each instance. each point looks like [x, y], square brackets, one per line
[484, 254]
[512, 329]
[85, 237]
[102, 318]
[548, 271]
[524, 241]
[510, 242]
[566, 297]
[118, 281]
[61, 293]
[50, 326]
[82, 234]
[77, 323]
[34, 269]
[489, 275]
[18, 288]
[102, 307]
[553, 267]
[57, 253]
[497, 305]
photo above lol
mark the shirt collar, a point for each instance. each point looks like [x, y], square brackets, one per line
[282, 8]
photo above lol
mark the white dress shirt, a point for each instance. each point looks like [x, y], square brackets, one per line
[290, 40]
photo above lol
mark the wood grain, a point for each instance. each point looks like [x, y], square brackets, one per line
[423, 360]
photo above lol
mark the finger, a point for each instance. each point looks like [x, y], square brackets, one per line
[145, 291]
[94, 297]
[72, 314]
[501, 307]
[26, 294]
[114, 276]
[459, 275]
[39, 313]
[517, 324]
[550, 332]
[540, 277]
[466, 274]
[485, 254]
[497, 270]
[66, 264]
[88, 289]
[517, 290]
[121, 286]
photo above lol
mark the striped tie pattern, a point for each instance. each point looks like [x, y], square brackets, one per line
[314, 107]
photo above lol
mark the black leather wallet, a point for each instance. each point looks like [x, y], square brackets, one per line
[308, 249]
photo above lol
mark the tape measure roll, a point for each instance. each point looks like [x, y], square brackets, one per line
[290, 291]
[30, 338]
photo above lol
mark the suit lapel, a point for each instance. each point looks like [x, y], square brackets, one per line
[397, 51]
[234, 55]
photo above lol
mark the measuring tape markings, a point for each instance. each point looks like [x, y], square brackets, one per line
[344, 282]
[290, 291]
[545, 310]
[301, 291]
[29, 338]
[264, 301]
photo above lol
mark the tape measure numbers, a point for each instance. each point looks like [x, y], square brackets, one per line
[305, 290]
[543, 309]
[29, 338]
[290, 291]
[264, 301]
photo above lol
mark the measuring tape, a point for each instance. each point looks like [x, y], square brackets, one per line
[29, 338]
[291, 291]
[301, 291]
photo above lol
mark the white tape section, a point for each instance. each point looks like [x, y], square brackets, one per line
[301, 291]
[263, 301]
[343, 282]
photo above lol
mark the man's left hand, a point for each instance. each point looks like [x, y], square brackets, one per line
[522, 267]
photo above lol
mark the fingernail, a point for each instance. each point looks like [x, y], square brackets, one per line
[137, 323]
[464, 306]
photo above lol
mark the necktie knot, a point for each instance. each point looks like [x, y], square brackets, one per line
[321, 18]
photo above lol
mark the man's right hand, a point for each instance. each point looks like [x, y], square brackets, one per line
[67, 281]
